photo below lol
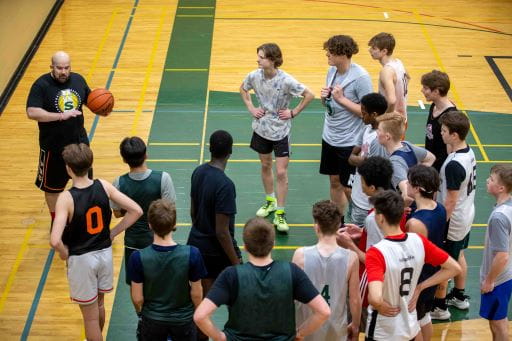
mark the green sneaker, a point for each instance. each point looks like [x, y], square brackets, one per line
[269, 207]
[280, 221]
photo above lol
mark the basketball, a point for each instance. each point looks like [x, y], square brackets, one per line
[101, 102]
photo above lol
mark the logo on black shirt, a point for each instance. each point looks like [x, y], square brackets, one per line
[67, 99]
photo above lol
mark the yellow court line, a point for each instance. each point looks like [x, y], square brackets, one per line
[181, 144]
[205, 118]
[194, 16]
[495, 161]
[17, 262]
[172, 160]
[186, 70]
[458, 101]
[149, 69]
[102, 44]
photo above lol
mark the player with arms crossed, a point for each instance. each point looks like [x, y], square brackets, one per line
[394, 265]
[82, 236]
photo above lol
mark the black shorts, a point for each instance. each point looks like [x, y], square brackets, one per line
[215, 264]
[425, 302]
[152, 330]
[127, 253]
[261, 145]
[52, 176]
[334, 161]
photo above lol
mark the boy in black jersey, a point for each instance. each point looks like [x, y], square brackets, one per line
[55, 101]
[268, 287]
[435, 87]
[81, 235]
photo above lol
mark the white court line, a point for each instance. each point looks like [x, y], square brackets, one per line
[422, 106]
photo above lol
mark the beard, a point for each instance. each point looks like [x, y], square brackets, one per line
[62, 78]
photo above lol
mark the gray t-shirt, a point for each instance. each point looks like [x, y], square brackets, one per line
[400, 166]
[167, 187]
[498, 239]
[273, 95]
[343, 128]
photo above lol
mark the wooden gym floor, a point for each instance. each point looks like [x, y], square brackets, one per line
[175, 68]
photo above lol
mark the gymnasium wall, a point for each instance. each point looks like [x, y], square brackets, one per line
[20, 20]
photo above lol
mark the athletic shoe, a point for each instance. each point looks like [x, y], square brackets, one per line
[440, 314]
[269, 207]
[458, 303]
[280, 221]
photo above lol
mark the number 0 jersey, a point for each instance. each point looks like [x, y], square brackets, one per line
[464, 211]
[89, 229]
[397, 262]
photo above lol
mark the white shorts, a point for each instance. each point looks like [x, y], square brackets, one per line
[90, 274]
[425, 320]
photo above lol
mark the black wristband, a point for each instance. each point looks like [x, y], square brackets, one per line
[291, 113]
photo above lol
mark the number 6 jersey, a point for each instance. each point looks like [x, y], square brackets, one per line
[397, 262]
[459, 173]
[89, 229]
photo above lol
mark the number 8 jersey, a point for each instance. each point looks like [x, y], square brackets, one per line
[397, 262]
[89, 229]
[459, 173]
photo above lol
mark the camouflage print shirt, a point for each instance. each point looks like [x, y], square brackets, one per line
[272, 94]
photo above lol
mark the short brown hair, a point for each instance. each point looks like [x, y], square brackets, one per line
[162, 217]
[382, 41]
[392, 123]
[456, 122]
[258, 236]
[78, 157]
[341, 45]
[272, 52]
[504, 173]
[328, 217]
[436, 79]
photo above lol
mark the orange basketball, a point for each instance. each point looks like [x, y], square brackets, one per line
[101, 102]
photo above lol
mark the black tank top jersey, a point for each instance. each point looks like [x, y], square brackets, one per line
[56, 97]
[89, 229]
[433, 140]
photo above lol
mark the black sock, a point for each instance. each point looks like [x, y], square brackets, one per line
[458, 293]
[440, 303]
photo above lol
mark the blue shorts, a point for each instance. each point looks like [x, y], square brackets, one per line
[494, 304]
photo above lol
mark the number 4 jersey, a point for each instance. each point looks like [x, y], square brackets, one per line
[89, 229]
[459, 173]
[397, 262]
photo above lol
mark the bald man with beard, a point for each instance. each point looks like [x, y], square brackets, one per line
[55, 101]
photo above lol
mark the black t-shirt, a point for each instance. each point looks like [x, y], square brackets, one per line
[225, 288]
[211, 192]
[56, 97]
[433, 140]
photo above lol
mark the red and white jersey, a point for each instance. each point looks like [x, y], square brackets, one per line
[397, 262]
[400, 86]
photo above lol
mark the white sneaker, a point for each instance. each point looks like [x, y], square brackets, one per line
[459, 304]
[440, 314]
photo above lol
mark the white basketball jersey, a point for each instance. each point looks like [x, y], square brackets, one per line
[358, 197]
[464, 212]
[373, 232]
[330, 276]
[400, 86]
[404, 261]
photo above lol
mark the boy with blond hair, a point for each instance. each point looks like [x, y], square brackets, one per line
[403, 154]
